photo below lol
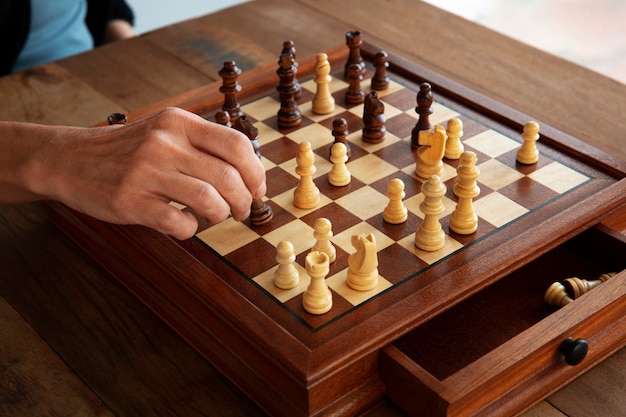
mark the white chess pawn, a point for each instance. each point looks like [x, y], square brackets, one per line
[454, 146]
[323, 101]
[528, 153]
[395, 212]
[430, 235]
[306, 195]
[317, 298]
[323, 232]
[286, 275]
[339, 175]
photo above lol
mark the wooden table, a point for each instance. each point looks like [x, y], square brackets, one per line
[73, 342]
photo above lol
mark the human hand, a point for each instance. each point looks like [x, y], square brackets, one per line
[128, 174]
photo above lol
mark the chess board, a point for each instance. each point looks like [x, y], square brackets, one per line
[217, 289]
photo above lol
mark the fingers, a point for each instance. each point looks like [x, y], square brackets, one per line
[230, 146]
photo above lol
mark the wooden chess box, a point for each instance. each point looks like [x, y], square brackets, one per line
[471, 336]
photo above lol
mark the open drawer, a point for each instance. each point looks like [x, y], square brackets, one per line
[502, 350]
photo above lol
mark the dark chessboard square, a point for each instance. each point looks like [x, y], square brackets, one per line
[470, 127]
[340, 218]
[247, 257]
[396, 264]
[341, 261]
[480, 156]
[315, 321]
[528, 193]
[483, 228]
[396, 231]
[278, 181]
[403, 99]
[307, 96]
[401, 125]
[273, 123]
[334, 192]
[510, 159]
[279, 150]
[398, 154]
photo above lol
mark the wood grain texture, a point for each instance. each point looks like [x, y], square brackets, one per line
[492, 64]
[122, 352]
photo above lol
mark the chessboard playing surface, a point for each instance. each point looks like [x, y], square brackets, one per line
[509, 191]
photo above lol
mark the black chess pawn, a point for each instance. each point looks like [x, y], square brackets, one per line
[340, 133]
[424, 109]
[380, 80]
[354, 94]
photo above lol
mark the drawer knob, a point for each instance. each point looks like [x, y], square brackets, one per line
[574, 350]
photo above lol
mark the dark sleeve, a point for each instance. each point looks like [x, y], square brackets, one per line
[100, 12]
[14, 27]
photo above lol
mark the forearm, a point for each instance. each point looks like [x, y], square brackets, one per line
[28, 153]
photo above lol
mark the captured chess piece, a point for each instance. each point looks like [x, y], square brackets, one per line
[373, 119]
[430, 235]
[424, 109]
[323, 232]
[463, 219]
[363, 264]
[339, 175]
[454, 146]
[395, 212]
[556, 295]
[323, 101]
[230, 88]
[306, 195]
[576, 287]
[560, 294]
[286, 275]
[430, 153]
[317, 298]
[528, 153]
[380, 80]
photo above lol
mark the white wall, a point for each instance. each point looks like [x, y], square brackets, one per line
[153, 14]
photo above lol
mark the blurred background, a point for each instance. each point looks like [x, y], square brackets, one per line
[591, 33]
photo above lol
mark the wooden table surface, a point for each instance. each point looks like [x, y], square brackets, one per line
[73, 342]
